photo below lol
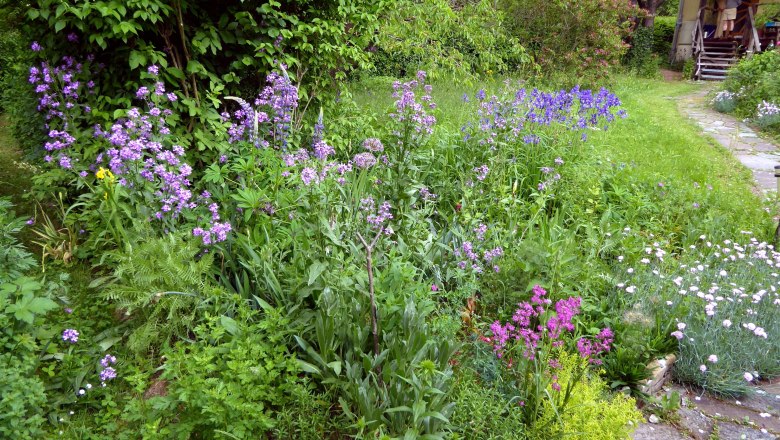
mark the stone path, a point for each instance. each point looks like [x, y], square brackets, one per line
[701, 416]
[758, 154]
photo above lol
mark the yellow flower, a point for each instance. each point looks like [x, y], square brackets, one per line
[103, 173]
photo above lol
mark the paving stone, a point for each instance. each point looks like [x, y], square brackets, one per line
[729, 409]
[734, 431]
[698, 425]
[646, 431]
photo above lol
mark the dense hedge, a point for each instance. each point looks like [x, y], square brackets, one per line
[206, 50]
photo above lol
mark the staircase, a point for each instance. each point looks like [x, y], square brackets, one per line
[715, 58]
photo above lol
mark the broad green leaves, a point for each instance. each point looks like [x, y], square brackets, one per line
[19, 298]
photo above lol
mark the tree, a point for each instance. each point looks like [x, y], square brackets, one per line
[650, 6]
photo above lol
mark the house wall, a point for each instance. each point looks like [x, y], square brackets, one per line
[690, 8]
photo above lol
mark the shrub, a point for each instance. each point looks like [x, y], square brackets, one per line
[663, 34]
[459, 43]
[22, 397]
[641, 58]
[595, 414]
[754, 80]
[586, 37]
[204, 51]
[23, 307]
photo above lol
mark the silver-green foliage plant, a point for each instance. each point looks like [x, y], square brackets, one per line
[722, 304]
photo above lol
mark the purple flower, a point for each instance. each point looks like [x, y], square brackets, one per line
[70, 335]
[153, 70]
[434, 288]
[480, 231]
[374, 145]
[73, 38]
[308, 175]
[31, 221]
[426, 194]
[323, 150]
[482, 172]
[107, 360]
[35, 46]
[364, 160]
[107, 374]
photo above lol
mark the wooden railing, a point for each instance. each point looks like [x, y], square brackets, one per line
[755, 43]
[697, 42]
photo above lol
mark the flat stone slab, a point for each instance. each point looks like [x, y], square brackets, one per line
[647, 431]
[699, 426]
[734, 431]
[746, 410]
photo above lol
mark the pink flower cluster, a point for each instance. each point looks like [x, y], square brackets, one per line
[529, 328]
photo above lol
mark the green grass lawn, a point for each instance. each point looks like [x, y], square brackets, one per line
[14, 180]
[658, 142]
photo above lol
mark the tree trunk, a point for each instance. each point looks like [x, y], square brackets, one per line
[650, 6]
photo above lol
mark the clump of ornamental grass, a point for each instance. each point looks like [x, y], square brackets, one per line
[722, 305]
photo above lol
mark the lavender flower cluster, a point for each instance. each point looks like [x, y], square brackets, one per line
[469, 253]
[317, 170]
[138, 151]
[410, 114]
[519, 115]
[108, 372]
[60, 89]
[377, 217]
[549, 175]
[270, 118]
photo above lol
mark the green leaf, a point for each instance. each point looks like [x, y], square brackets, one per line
[336, 366]
[59, 25]
[229, 324]
[107, 343]
[137, 59]
[308, 368]
[315, 270]
[41, 305]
